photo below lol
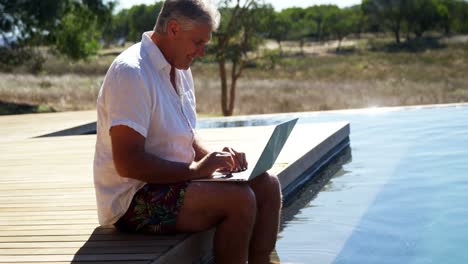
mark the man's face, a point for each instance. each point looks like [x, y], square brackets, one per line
[190, 44]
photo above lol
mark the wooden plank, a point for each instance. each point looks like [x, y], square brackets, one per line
[66, 206]
[56, 230]
[16, 127]
[47, 222]
[51, 207]
[3, 217]
[95, 244]
[52, 237]
[47, 203]
[55, 198]
[84, 251]
[29, 195]
[54, 227]
[78, 257]
[40, 192]
[70, 213]
[85, 262]
[45, 186]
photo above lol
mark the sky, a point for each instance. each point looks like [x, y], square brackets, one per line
[277, 4]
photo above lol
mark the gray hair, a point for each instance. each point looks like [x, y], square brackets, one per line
[187, 13]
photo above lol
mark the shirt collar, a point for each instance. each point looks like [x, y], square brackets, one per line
[154, 53]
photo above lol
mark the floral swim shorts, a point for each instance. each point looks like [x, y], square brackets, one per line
[154, 209]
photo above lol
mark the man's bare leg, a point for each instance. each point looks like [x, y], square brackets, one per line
[267, 191]
[229, 206]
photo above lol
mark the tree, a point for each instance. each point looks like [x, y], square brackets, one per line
[118, 29]
[445, 9]
[35, 23]
[24, 24]
[341, 23]
[142, 18]
[240, 32]
[301, 27]
[388, 13]
[319, 15]
[462, 17]
[358, 20]
[423, 15]
[28, 20]
[102, 11]
[77, 35]
[280, 26]
[457, 17]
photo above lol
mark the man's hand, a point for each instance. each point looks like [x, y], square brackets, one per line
[240, 161]
[227, 160]
[214, 161]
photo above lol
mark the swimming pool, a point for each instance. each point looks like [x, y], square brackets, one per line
[400, 197]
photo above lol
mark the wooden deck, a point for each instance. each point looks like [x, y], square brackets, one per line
[47, 201]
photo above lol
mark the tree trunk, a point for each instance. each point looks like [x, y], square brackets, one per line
[280, 47]
[301, 43]
[319, 31]
[232, 92]
[224, 96]
[397, 36]
[338, 49]
[419, 34]
[396, 31]
[447, 30]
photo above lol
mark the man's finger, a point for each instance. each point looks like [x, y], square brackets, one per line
[241, 158]
[224, 161]
[230, 161]
[244, 161]
[238, 159]
[231, 153]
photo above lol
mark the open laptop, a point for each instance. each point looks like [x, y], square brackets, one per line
[266, 160]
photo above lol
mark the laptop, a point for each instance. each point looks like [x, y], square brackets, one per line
[266, 160]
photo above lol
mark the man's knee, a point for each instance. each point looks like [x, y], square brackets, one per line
[274, 183]
[275, 189]
[269, 186]
[243, 203]
[207, 204]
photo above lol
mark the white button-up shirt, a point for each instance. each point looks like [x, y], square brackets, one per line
[137, 92]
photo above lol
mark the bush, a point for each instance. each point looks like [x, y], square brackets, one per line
[78, 34]
[20, 58]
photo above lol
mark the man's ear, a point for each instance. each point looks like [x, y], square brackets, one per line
[173, 28]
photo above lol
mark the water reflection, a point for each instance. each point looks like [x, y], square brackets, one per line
[302, 197]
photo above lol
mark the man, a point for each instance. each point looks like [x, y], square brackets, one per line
[147, 153]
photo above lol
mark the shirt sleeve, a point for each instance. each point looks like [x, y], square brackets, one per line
[128, 100]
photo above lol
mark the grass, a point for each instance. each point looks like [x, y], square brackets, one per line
[11, 108]
[366, 73]
[60, 92]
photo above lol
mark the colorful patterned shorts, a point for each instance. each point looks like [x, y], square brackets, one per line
[154, 209]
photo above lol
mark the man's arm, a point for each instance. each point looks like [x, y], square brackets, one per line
[132, 161]
[200, 150]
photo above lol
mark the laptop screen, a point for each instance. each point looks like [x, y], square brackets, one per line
[273, 147]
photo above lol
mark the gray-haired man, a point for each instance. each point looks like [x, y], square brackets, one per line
[147, 153]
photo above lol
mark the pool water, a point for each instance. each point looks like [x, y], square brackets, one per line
[400, 196]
